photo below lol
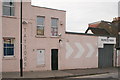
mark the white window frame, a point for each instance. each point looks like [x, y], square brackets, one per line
[43, 26]
[9, 47]
[54, 27]
[9, 6]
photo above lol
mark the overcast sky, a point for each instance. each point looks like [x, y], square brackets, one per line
[82, 12]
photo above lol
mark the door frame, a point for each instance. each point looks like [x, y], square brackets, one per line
[99, 62]
[54, 63]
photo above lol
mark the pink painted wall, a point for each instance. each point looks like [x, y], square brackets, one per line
[11, 29]
[75, 51]
[33, 42]
[81, 52]
[1, 50]
[118, 58]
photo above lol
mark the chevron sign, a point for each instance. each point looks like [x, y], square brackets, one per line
[80, 50]
[69, 50]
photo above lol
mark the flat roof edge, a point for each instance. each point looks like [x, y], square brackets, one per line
[48, 8]
[88, 34]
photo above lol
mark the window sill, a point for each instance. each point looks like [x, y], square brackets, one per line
[42, 65]
[39, 36]
[9, 58]
[54, 36]
[9, 16]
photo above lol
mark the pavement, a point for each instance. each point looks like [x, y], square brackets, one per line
[59, 73]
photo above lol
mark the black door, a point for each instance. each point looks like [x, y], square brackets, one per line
[54, 59]
[105, 58]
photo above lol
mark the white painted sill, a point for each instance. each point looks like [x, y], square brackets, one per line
[9, 58]
[42, 65]
[54, 36]
[9, 16]
[40, 36]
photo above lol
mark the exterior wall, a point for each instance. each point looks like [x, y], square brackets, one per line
[118, 58]
[1, 50]
[74, 50]
[47, 42]
[32, 42]
[81, 52]
[11, 28]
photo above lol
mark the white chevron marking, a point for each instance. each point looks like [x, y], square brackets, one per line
[81, 50]
[69, 50]
[97, 54]
[91, 50]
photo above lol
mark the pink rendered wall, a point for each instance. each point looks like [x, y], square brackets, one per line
[70, 56]
[81, 52]
[35, 42]
[11, 29]
[32, 42]
[1, 50]
[118, 58]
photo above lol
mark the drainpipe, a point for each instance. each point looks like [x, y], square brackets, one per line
[21, 60]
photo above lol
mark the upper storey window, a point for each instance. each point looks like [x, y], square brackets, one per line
[54, 26]
[8, 8]
[40, 25]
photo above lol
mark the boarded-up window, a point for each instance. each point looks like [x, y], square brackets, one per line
[41, 57]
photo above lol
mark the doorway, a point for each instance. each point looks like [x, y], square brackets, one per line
[54, 59]
[105, 58]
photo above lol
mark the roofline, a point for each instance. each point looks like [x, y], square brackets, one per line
[98, 22]
[48, 8]
[75, 33]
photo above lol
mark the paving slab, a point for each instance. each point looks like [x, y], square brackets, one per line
[59, 73]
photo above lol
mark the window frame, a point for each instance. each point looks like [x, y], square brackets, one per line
[41, 26]
[54, 27]
[9, 47]
[10, 7]
[43, 64]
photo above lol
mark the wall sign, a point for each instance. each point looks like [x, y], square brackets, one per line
[105, 40]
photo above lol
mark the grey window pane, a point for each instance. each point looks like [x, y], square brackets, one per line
[40, 20]
[40, 30]
[40, 27]
[8, 47]
[54, 31]
[5, 3]
[54, 22]
[6, 11]
[8, 2]
[12, 11]
[9, 11]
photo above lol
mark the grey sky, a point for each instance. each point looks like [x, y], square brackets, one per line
[82, 12]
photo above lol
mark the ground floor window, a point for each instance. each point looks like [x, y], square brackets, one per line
[41, 57]
[8, 46]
